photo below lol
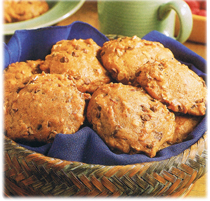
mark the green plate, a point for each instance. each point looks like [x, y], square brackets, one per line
[58, 11]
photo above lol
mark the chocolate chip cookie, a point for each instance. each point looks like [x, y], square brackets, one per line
[78, 59]
[75, 46]
[124, 56]
[48, 104]
[175, 85]
[17, 74]
[129, 120]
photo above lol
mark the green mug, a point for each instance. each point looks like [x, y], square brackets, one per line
[139, 17]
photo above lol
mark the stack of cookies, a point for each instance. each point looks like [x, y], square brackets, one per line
[152, 104]
[134, 93]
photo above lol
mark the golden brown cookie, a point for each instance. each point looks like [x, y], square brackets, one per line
[75, 46]
[129, 120]
[48, 104]
[175, 85]
[78, 59]
[184, 124]
[124, 56]
[21, 10]
[16, 74]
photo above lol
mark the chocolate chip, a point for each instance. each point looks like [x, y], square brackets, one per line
[74, 54]
[18, 89]
[138, 72]
[77, 77]
[153, 108]
[193, 106]
[37, 90]
[15, 109]
[149, 146]
[39, 126]
[179, 108]
[64, 60]
[114, 132]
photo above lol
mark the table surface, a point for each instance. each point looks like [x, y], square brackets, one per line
[88, 13]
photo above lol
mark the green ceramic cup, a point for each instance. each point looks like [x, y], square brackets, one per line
[139, 17]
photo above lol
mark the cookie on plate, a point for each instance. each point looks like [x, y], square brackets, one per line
[124, 56]
[129, 120]
[17, 74]
[175, 85]
[48, 104]
[77, 59]
[21, 10]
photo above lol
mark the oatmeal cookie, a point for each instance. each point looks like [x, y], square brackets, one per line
[123, 57]
[48, 104]
[129, 120]
[78, 59]
[17, 74]
[175, 85]
[21, 10]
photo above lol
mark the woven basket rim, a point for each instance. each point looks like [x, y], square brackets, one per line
[170, 177]
[15, 145]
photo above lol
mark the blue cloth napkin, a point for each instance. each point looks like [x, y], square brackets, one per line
[85, 145]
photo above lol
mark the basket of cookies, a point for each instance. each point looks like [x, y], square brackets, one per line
[92, 115]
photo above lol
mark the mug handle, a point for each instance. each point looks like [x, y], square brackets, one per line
[185, 17]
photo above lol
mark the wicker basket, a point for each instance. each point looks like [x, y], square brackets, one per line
[30, 173]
